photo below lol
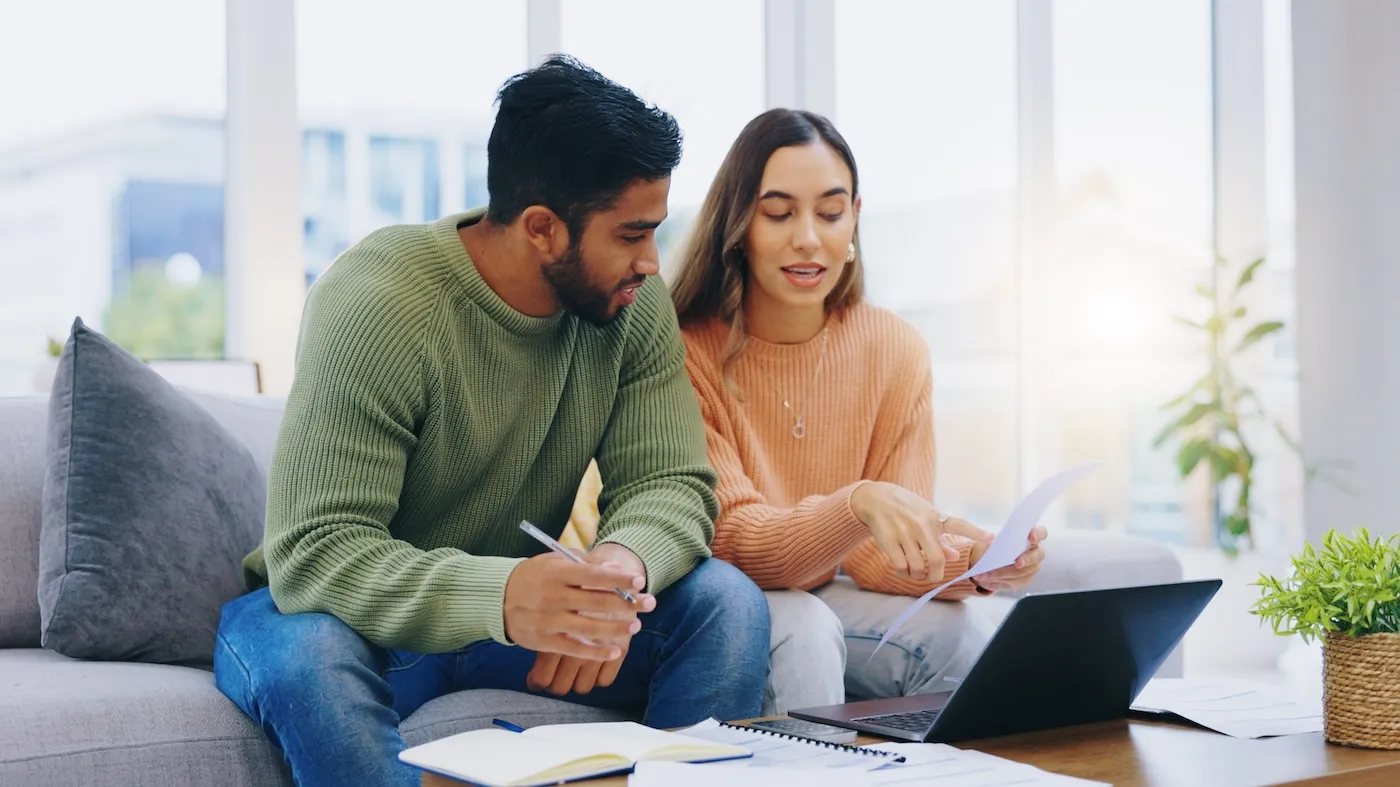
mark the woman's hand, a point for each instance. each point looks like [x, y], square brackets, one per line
[1017, 575]
[909, 529]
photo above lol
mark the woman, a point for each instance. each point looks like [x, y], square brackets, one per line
[819, 423]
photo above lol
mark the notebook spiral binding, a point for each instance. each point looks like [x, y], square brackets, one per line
[861, 750]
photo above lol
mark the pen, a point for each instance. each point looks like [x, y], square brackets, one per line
[507, 725]
[543, 538]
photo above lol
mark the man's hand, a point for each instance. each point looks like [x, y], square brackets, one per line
[560, 674]
[1017, 575]
[553, 605]
[909, 530]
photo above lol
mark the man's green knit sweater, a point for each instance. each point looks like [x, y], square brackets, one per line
[428, 418]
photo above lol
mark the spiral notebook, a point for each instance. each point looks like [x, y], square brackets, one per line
[776, 749]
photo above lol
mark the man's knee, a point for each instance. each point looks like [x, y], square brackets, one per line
[724, 590]
[261, 653]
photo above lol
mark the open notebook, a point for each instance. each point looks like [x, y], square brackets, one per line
[556, 753]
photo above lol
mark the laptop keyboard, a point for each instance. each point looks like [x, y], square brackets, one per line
[918, 721]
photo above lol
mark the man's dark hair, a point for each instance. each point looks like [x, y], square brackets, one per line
[572, 140]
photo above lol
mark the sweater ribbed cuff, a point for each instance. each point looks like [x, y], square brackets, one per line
[666, 561]
[480, 606]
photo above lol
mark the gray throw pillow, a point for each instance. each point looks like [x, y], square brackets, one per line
[149, 507]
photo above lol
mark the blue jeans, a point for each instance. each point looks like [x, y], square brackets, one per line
[332, 701]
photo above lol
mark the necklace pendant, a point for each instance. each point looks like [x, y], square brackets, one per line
[799, 429]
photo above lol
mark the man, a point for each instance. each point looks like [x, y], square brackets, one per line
[454, 379]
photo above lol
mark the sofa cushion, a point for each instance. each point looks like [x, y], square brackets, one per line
[474, 710]
[70, 722]
[125, 724]
[22, 421]
[149, 507]
[254, 420]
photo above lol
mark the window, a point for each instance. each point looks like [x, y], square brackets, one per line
[1278, 477]
[403, 180]
[111, 179]
[702, 62]
[397, 101]
[474, 161]
[1134, 164]
[926, 97]
[325, 210]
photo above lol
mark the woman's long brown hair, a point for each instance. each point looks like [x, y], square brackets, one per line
[712, 265]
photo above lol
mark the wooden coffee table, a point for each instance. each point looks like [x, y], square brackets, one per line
[1133, 753]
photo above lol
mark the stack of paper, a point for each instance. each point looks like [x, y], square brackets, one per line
[782, 760]
[1239, 708]
[681, 774]
[925, 764]
[940, 764]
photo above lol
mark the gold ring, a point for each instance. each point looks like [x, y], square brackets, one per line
[942, 518]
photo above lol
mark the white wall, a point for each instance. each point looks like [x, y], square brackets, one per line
[1347, 143]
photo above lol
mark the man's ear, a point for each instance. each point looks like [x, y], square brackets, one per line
[545, 231]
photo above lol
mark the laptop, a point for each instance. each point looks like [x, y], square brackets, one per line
[1057, 659]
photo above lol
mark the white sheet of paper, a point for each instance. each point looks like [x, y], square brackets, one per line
[1238, 708]
[940, 764]
[680, 774]
[1010, 541]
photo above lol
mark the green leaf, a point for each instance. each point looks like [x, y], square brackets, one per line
[1189, 418]
[1206, 292]
[1237, 524]
[1240, 313]
[1189, 323]
[1191, 454]
[1348, 585]
[1247, 275]
[1257, 333]
[1224, 462]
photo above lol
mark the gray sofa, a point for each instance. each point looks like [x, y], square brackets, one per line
[70, 722]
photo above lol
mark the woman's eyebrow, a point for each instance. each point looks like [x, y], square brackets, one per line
[775, 194]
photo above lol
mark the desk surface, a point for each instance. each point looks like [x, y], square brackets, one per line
[1133, 753]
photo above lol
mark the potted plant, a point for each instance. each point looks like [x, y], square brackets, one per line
[1346, 594]
[1210, 418]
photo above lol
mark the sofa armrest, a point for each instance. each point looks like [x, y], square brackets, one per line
[1088, 559]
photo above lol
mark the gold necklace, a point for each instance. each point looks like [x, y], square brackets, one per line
[799, 425]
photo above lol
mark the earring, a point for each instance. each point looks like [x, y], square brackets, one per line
[851, 252]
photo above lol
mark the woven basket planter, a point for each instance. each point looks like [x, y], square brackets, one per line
[1361, 690]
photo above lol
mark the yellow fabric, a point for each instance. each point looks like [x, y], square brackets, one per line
[583, 520]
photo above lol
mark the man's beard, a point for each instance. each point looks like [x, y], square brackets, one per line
[578, 295]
